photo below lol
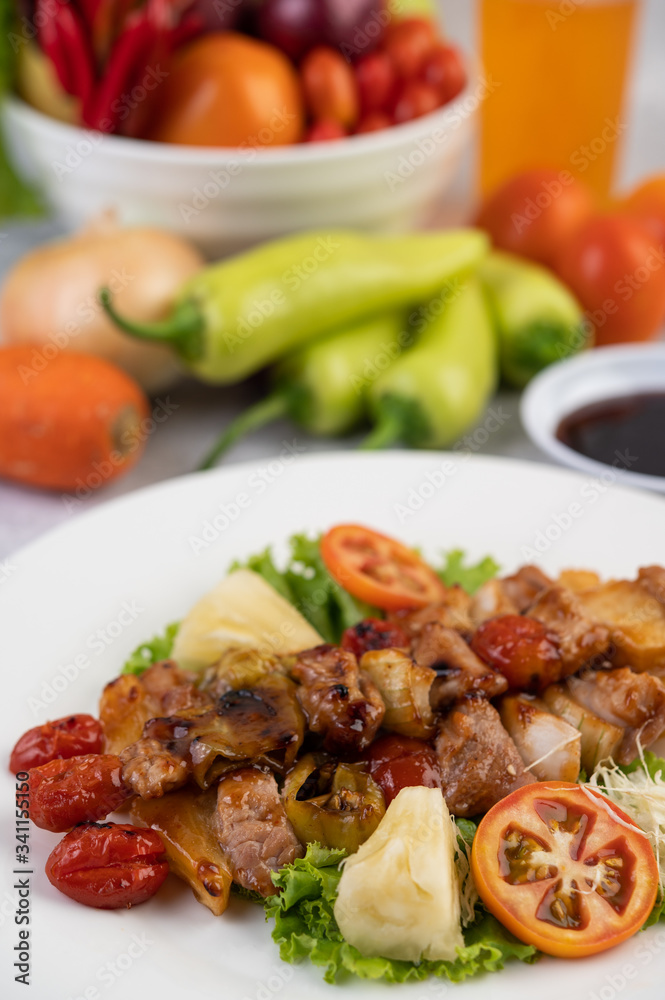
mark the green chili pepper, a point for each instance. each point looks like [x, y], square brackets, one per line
[323, 386]
[537, 319]
[439, 388]
[241, 314]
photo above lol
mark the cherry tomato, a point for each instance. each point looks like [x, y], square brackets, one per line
[69, 737]
[66, 792]
[373, 633]
[445, 70]
[379, 570]
[325, 131]
[564, 869]
[647, 202]
[615, 267]
[226, 89]
[535, 213]
[376, 79]
[407, 44]
[108, 865]
[376, 122]
[329, 85]
[415, 100]
[397, 762]
[521, 649]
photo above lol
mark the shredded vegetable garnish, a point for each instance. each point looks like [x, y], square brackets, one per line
[467, 887]
[640, 792]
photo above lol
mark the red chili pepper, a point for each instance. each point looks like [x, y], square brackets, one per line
[64, 39]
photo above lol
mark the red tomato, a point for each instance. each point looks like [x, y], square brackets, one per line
[535, 213]
[226, 89]
[376, 122]
[415, 100]
[373, 633]
[647, 202]
[325, 131]
[329, 85]
[108, 865]
[408, 42]
[616, 268]
[66, 792]
[521, 649]
[379, 570]
[375, 78]
[69, 737]
[397, 762]
[595, 886]
[445, 70]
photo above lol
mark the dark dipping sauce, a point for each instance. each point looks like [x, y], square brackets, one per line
[627, 432]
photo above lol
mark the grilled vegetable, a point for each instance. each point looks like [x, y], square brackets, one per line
[549, 746]
[404, 688]
[332, 803]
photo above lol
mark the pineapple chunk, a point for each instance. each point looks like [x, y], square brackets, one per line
[399, 894]
[242, 610]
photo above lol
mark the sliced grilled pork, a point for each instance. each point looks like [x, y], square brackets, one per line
[459, 671]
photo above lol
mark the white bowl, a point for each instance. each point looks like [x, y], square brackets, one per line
[227, 199]
[600, 374]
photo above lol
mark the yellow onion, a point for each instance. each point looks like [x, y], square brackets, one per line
[404, 688]
[332, 803]
[50, 296]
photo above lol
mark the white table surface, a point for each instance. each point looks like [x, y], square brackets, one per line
[200, 413]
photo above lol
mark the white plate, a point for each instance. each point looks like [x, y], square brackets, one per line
[96, 588]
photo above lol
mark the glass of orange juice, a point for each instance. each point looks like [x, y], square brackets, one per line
[556, 73]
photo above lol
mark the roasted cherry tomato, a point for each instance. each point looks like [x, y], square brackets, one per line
[379, 570]
[564, 869]
[535, 213]
[329, 85]
[373, 633]
[408, 43]
[445, 70]
[377, 121]
[614, 265]
[72, 736]
[325, 131]
[66, 792]
[397, 762]
[108, 865]
[521, 649]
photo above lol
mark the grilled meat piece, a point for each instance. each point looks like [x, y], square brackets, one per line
[253, 829]
[340, 702]
[652, 578]
[172, 690]
[150, 769]
[452, 612]
[634, 702]
[459, 671]
[491, 601]
[479, 762]
[525, 586]
[581, 641]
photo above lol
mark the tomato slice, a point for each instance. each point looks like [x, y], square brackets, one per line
[564, 869]
[379, 570]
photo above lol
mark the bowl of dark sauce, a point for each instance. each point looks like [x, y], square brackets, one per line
[603, 413]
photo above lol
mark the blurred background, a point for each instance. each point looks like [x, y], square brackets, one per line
[176, 134]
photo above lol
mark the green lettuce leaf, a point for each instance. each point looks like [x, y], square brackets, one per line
[158, 648]
[470, 578]
[305, 928]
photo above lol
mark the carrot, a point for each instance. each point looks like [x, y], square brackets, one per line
[76, 423]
